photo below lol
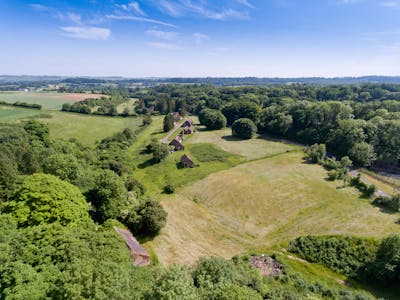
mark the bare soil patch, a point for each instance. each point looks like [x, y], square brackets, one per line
[267, 265]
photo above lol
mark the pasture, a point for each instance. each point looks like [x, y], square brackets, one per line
[87, 129]
[48, 100]
[9, 113]
[155, 176]
[261, 146]
[259, 204]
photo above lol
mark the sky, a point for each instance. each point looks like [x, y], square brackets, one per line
[200, 38]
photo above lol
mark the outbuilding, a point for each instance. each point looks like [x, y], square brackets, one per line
[139, 255]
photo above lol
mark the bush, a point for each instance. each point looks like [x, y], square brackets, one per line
[343, 254]
[391, 203]
[316, 153]
[386, 267]
[133, 184]
[333, 175]
[244, 128]
[169, 189]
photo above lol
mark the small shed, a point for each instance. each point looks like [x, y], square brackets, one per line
[139, 255]
[186, 161]
[177, 143]
[188, 123]
[188, 129]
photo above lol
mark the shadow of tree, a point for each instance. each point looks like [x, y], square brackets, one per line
[148, 163]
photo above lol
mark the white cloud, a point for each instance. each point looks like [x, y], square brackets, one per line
[138, 19]
[87, 33]
[132, 6]
[40, 7]
[200, 38]
[165, 46]
[74, 18]
[172, 9]
[163, 35]
[245, 3]
[202, 9]
[391, 4]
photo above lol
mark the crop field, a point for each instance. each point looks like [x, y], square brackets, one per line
[259, 204]
[9, 113]
[48, 100]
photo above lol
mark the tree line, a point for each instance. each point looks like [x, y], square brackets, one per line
[358, 121]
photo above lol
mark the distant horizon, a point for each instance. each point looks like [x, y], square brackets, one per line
[193, 77]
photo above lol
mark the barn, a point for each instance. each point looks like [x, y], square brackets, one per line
[187, 162]
[177, 143]
[139, 255]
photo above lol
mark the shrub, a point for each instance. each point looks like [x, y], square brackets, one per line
[386, 267]
[316, 153]
[333, 175]
[244, 128]
[392, 203]
[169, 189]
[344, 254]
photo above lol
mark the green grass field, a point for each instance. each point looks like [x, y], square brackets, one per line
[87, 129]
[48, 100]
[261, 146]
[9, 113]
[155, 176]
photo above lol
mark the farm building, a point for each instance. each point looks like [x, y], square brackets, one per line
[188, 129]
[186, 161]
[139, 255]
[177, 143]
[177, 116]
[188, 123]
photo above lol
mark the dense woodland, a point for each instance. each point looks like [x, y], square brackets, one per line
[359, 121]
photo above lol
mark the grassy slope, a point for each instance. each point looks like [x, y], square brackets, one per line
[259, 204]
[9, 113]
[156, 176]
[87, 129]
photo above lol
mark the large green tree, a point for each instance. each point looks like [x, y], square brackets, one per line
[44, 199]
[168, 122]
[244, 128]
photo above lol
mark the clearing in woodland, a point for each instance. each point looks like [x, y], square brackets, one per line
[258, 204]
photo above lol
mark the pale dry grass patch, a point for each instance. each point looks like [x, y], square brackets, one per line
[262, 203]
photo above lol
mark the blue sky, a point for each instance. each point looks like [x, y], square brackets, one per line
[163, 38]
